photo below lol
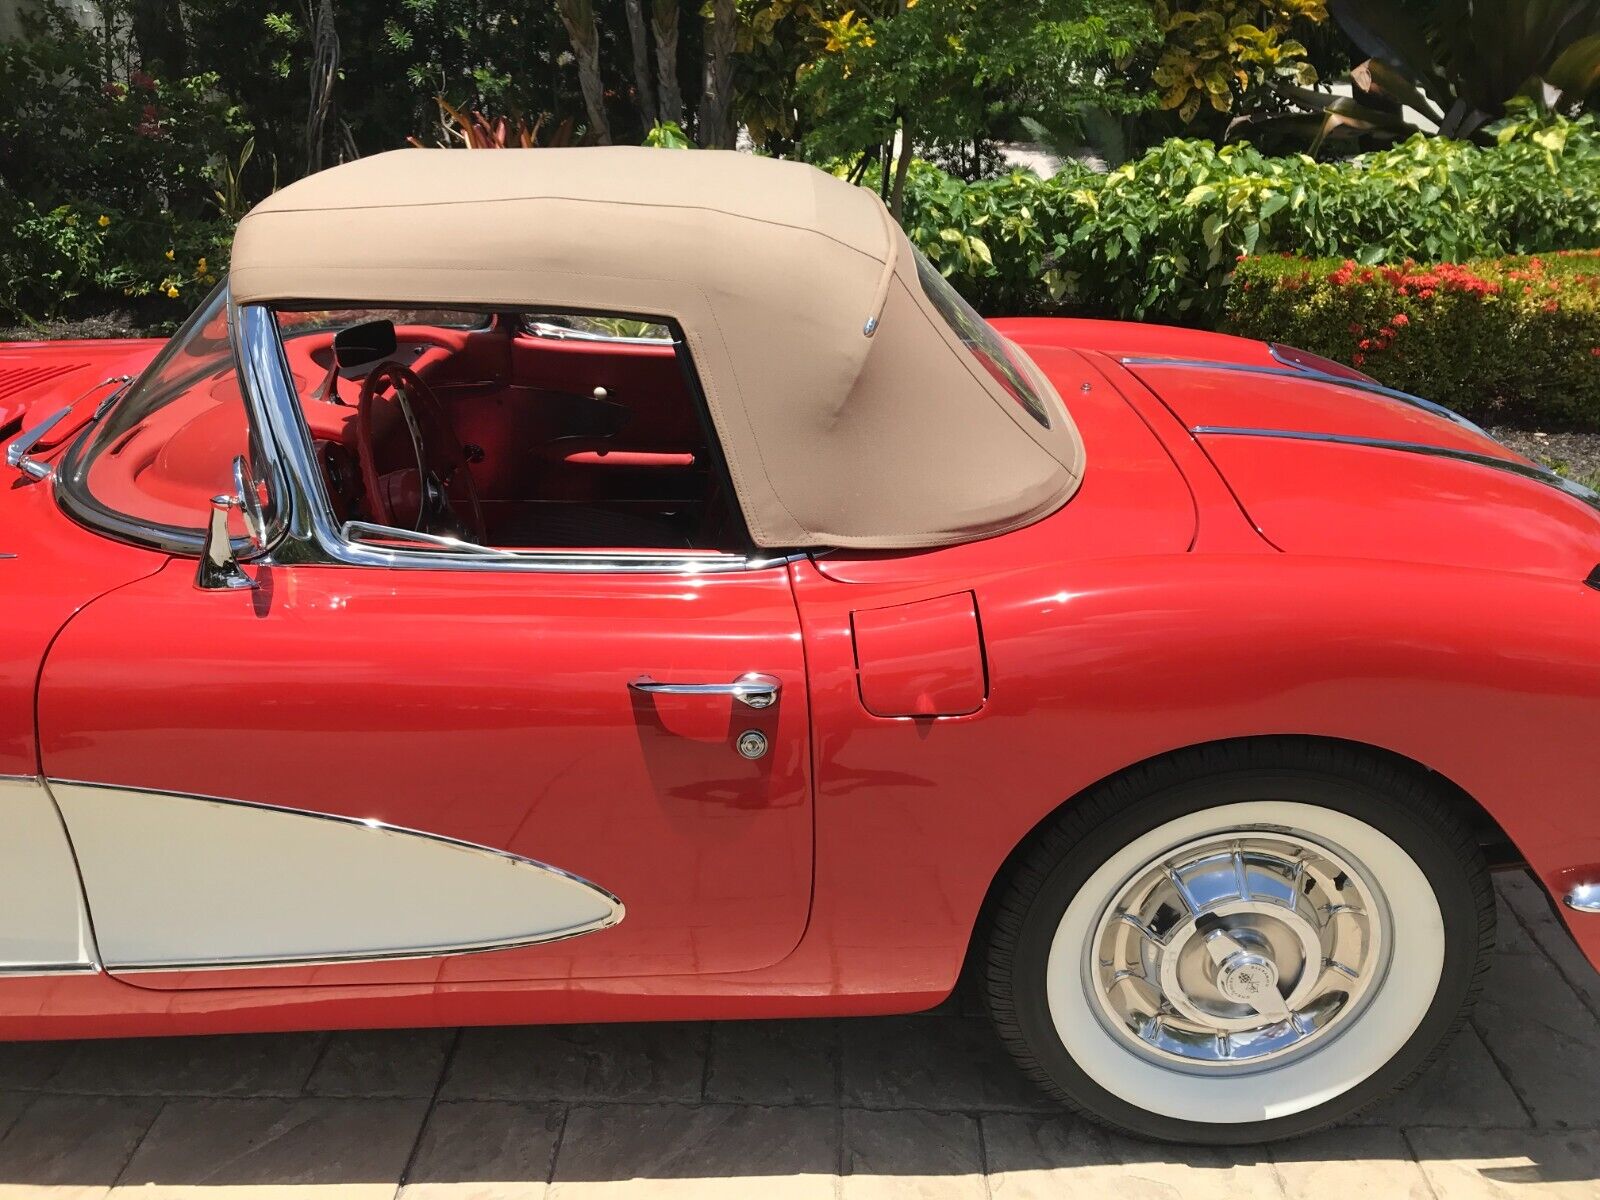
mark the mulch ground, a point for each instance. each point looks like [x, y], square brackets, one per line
[1574, 454]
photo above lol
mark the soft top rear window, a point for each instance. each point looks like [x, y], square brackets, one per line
[1009, 366]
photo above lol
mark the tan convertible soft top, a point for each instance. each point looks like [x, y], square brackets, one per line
[774, 271]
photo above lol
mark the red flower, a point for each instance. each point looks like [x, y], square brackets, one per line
[1549, 306]
[1355, 329]
[1399, 320]
[1425, 294]
[140, 80]
[1594, 351]
[1365, 343]
[1358, 359]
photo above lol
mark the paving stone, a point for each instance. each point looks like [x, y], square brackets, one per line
[1464, 1089]
[1353, 1164]
[1545, 1039]
[652, 1062]
[674, 1150]
[214, 1149]
[485, 1150]
[72, 1147]
[1509, 936]
[1543, 1165]
[246, 1065]
[911, 1155]
[382, 1062]
[1527, 899]
[11, 1109]
[27, 1066]
[1066, 1158]
[774, 1062]
[948, 1063]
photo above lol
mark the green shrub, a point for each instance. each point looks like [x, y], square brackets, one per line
[1504, 339]
[73, 260]
[1156, 238]
[108, 177]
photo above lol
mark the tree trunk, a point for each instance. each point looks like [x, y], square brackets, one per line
[643, 85]
[159, 35]
[324, 72]
[716, 100]
[897, 198]
[664, 18]
[582, 29]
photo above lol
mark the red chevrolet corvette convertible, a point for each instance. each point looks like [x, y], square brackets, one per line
[608, 585]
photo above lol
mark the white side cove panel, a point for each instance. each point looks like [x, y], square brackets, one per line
[182, 881]
[43, 926]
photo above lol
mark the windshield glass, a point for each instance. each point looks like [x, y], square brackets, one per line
[1010, 367]
[168, 445]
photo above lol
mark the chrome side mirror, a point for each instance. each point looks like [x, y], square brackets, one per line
[219, 568]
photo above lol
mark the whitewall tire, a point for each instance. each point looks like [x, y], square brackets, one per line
[1241, 942]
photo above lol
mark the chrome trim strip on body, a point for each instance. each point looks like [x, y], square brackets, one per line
[1584, 898]
[1568, 487]
[314, 536]
[617, 914]
[47, 970]
[1295, 372]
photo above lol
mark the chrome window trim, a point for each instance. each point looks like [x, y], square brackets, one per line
[563, 333]
[1549, 478]
[1296, 372]
[615, 917]
[313, 534]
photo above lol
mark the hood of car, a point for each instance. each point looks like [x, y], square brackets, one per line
[1341, 466]
[37, 378]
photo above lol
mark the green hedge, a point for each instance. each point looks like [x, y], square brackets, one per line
[1513, 339]
[1156, 239]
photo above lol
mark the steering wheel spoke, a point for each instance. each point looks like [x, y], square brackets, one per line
[441, 462]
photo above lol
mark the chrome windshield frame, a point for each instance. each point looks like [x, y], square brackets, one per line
[79, 505]
[313, 533]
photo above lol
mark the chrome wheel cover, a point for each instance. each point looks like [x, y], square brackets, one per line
[1238, 951]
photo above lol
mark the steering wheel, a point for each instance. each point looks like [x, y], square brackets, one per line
[429, 495]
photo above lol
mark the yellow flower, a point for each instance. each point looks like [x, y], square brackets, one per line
[104, 220]
[172, 293]
[201, 266]
[169, 255]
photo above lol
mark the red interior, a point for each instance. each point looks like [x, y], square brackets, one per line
[570, 443]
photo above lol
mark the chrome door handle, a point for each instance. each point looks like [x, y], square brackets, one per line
[751, 689]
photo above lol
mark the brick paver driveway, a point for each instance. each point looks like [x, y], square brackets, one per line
[915, 1106]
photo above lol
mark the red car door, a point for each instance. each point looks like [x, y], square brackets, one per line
[193, 737]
